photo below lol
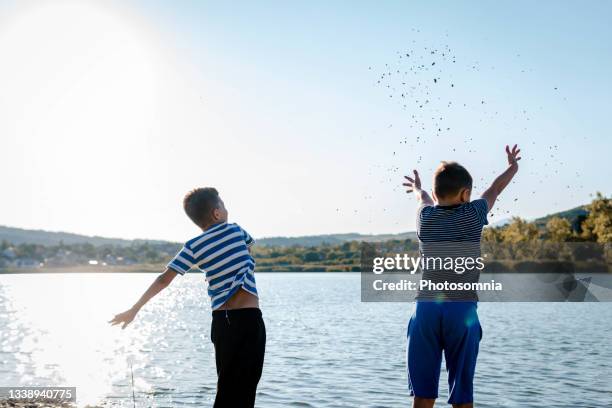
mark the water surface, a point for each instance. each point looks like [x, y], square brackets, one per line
[325, 347]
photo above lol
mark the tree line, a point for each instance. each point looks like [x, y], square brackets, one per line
[560, 239]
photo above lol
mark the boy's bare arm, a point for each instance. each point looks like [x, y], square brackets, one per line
[500, 183]
[161, 282]
[414, 185]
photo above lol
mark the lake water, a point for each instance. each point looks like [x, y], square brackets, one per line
[325, 347]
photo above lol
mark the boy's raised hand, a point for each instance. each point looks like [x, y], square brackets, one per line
[500, 183]
[513, 156]
[413, 183]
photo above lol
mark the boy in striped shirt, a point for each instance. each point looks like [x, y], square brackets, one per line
[222, 252]
[447, 321]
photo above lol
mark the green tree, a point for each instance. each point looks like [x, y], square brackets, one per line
[492, 235]
[520, 239]
[492, 243]
[558, 229]
[312, 256]
[519, 231]
[598, 224]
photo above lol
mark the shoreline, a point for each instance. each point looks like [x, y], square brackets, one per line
[133, 269]
[526, 266]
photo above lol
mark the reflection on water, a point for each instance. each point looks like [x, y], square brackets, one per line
[56, 332]
[325, 348]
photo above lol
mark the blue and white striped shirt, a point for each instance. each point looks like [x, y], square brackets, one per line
[222, 253]
[451, 232]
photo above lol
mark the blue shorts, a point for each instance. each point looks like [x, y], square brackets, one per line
[452, 327]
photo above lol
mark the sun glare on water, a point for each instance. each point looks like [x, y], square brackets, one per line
[62, 338]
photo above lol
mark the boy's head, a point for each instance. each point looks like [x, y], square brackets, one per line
[204, 207]
[452, 183]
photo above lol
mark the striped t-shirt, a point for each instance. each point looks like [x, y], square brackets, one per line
[450, 232]
[222, 253]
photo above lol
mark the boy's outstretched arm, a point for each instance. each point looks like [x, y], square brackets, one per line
[500, 183]
[414, 185]
[161, 282]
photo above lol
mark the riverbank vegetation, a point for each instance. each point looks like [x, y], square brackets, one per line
[577, 240]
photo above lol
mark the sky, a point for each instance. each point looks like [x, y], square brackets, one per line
[111, 111]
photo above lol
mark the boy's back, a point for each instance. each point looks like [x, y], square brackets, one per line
[221, 251]
[451, 231]
[237, 330]
[446, 321]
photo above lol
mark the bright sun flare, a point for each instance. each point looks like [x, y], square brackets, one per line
[76, 79]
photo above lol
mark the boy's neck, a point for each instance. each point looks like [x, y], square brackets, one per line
[212, 224]
[449, 202]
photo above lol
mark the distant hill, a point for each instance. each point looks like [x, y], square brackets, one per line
[19, 236]
[334, 239]
[572, 215]
[501, 223]
[26, 236]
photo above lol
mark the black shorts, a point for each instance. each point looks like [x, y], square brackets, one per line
[239, 337]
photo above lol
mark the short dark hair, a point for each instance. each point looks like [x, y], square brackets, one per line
[199, 204]
[450, 178]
